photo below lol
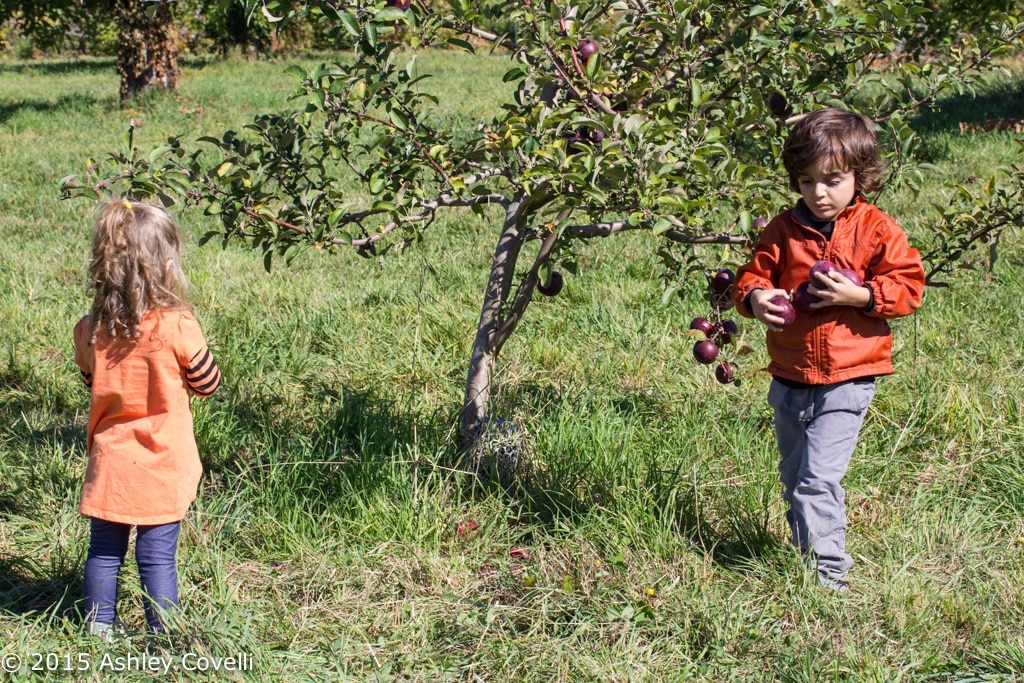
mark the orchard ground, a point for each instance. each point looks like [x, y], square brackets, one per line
[332, 539]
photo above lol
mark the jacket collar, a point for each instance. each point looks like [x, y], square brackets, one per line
[803, 215]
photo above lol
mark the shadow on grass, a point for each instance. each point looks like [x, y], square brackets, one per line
[730, 524]
[90, 65]
[64, 104]
[61, 67]
[26, 588]
[966, 115]
[318, 450]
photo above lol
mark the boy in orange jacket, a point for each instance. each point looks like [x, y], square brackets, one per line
[825, 362]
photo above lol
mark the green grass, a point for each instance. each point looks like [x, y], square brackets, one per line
[325, 538]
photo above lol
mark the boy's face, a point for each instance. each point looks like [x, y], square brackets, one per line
[826, 190]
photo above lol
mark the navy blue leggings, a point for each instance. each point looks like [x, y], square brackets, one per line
[155, 548]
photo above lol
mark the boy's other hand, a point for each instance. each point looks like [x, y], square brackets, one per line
[764, 310]
[835, 289]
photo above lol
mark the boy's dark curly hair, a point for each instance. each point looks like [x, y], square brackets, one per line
[844, 138]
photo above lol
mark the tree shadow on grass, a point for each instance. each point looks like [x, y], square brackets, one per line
[64, 104]
[730, 524]
[27, 588]
[61, 67]
[329, 442]
[966, 115]
[70, 66]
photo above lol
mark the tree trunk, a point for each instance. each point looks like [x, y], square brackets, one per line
[488, 341]
[147, 54]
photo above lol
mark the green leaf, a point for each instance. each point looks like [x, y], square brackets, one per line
[293, 70]
[757, 10]
[291, 252]
[745, 222]
[461, 44]
[513, 74]
[399, 119]
[158, 152]
[268, 256]
[390, 15]
[350, 23]
[662, 225]
[696, 93]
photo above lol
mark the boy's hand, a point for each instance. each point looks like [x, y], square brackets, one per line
[764, 310]
[835, 289]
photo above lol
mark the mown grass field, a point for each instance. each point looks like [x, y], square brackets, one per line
[326, 540]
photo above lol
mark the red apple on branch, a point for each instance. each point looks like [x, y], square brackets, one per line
[725, 372]
[704, 325]
[705, 352]
[587, 48]
[554, 286]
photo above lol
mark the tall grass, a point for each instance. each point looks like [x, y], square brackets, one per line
[333, 540]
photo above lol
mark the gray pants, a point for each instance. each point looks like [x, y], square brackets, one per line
[817, 430]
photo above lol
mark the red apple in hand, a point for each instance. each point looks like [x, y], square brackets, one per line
[823, 267]
[802, 299]
[788, 313]
[852, 275]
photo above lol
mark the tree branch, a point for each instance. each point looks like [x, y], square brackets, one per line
[609, 228]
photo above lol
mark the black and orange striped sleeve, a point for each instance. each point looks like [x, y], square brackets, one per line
[202, 373]
[83, 355]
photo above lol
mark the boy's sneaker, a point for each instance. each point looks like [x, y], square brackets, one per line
[833, 584]
[104, 632]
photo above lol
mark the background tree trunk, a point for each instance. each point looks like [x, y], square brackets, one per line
[147, 53]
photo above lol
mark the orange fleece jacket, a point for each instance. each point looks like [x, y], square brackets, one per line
[835, 343]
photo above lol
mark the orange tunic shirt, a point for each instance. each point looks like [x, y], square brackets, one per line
[144, 465]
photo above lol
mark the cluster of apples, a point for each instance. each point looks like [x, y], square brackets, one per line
[717, 334]
[802, 298]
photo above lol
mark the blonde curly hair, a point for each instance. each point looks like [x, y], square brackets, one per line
[135, 267]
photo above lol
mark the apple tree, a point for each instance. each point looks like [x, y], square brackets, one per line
[625, 116]
[147, 51]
